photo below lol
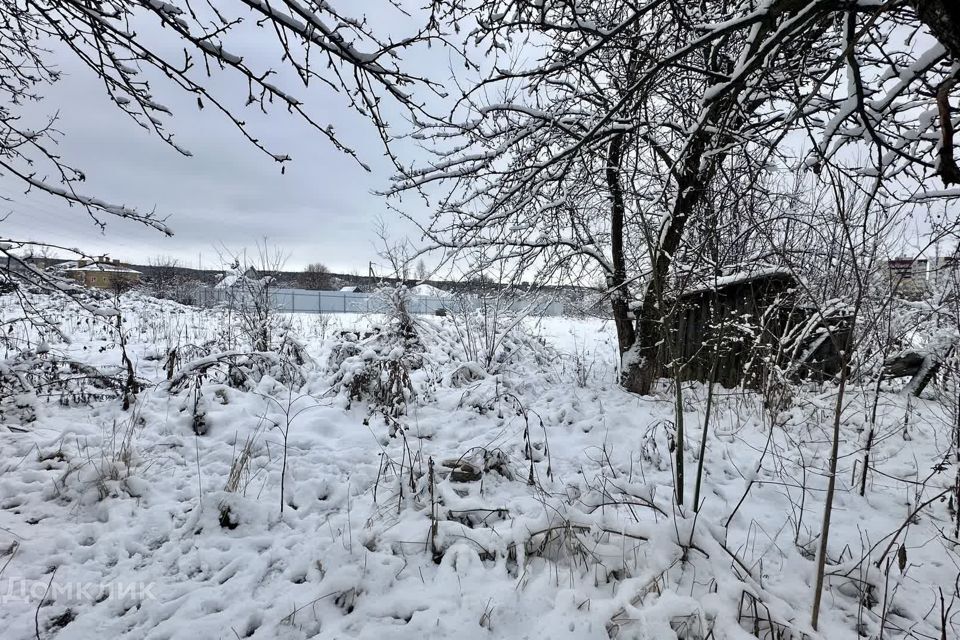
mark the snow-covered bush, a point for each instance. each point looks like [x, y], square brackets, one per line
[488, 353]
[493, 336]
[248, 285]
[384, 368]
[31, 377]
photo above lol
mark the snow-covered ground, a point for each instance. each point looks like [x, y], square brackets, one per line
[524, 497]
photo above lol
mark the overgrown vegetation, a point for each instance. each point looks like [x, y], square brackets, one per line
[753, 190]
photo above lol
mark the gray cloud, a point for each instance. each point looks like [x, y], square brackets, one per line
[228, 193]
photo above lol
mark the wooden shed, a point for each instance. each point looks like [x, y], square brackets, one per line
[732, 330]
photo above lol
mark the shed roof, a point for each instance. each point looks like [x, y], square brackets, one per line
[744, 277]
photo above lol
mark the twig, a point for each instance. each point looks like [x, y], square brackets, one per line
[36, 615]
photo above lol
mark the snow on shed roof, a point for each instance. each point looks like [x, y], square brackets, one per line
[742, 277]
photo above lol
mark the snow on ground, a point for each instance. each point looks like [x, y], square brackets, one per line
[112, 522]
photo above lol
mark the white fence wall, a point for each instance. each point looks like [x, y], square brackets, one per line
[308, 301]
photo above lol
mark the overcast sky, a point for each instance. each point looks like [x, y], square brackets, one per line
[228, 193]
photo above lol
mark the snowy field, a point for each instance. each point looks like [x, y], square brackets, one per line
[513, 491]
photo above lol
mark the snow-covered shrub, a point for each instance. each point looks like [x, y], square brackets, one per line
[380, 368]
[493, 337]
[43, 375]
[176, 356]
[293, 357]
[248, 285]
[511, 358]
[241, 369]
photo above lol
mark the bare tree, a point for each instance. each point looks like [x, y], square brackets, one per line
[398, 254]
[422, 272]
[166, 279]
[163, 271]
[248, 283]
[604, 148]
[316, 276]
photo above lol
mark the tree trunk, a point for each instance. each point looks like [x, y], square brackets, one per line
[617, 281]
[641, 367]
[694, 173]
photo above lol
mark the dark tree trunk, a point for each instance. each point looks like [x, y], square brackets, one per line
[942, 18]
[691, 182]
[692, 176]
[617, 281]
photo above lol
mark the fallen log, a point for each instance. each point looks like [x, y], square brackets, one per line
[920, 365]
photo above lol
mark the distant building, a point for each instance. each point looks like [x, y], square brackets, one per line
[915, 279]
[351, 289]
[908, 277]
[101, 274]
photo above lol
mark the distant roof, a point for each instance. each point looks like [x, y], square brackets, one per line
[351, 289]
[113, 268]
[67, 265]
